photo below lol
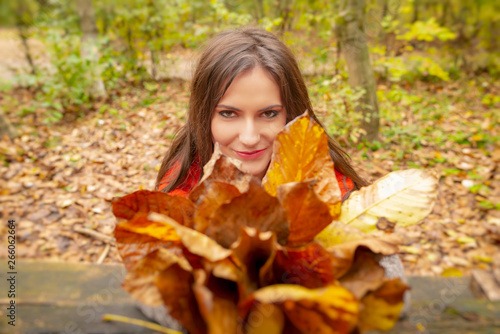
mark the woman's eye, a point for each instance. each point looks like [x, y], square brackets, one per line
[270, 113]
[227, 113]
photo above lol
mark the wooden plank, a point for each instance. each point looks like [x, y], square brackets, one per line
[72, 297]
[484, 285]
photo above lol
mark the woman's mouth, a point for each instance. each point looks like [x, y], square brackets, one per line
[250, 155]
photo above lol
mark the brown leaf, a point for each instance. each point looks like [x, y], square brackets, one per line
[142, 202]
[132, 246]
[310, 266]
[140, 280]
[255, 251]
[220, 314]
[307, 214]
[215, 193]
[255, 208]
[364, 275]
[223, 169]
[175, 287]
[194, 241]
[344, 253]
[301, 153]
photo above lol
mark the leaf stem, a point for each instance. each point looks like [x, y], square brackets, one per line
[138, 322]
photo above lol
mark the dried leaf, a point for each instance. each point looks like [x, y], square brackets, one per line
[194, 241]
[142, 202]
[223, 169]
[220, 314]
[403, 197]
[310, 266]
[175, 287]
[255, 251]
[265, 318]
[215, 193]
[364, 275]
[382, 307]
[307, 214]
[255, 208]
[344, 253]
[301, 153]
[337, 233]
[133, 246]
[320, 310]
[140, 280]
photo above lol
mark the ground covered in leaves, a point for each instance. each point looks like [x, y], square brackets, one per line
[57, 180]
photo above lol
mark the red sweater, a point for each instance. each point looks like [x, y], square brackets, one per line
[193, 177]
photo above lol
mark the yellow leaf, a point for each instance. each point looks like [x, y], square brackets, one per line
[301, 153]
[194, 241]
[265, 319]
[451, 272]
[312, 310]
[403, 197]
[466, 240]
[381, 315]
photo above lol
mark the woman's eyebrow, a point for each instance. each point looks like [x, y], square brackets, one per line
[236, 109]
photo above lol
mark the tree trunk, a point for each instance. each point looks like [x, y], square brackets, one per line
[416, 7]
[355, 49]
[89, 47]
[23, 23]
[5, 127]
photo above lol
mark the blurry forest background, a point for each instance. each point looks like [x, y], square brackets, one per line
[92, 93]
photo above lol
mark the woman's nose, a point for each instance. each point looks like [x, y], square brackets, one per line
[249, 134]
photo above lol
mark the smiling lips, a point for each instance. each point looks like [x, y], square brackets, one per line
[250, 155]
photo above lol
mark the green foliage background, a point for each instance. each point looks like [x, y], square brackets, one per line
[410, 41]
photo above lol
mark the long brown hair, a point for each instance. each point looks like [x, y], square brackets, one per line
[224, 57]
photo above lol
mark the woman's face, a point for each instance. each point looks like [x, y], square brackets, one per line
[247, 119]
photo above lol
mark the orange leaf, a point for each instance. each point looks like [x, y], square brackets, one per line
[301, 153]
[142, 202]
[307, 214]
[255, 208]
[310, 266]
[133, 245]
[331, 309]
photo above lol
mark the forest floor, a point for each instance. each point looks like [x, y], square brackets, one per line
[56, 178]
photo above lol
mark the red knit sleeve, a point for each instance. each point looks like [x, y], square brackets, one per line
[190, 180]
[345, 184]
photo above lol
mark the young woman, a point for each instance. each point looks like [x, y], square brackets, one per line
[246, 87]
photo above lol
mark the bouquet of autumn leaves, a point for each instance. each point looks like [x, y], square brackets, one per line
[279, 256]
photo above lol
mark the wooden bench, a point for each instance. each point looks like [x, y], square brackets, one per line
[72, 297]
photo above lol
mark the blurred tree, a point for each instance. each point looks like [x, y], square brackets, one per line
[90, 47]
[5, 127]
[354, 46]
[24, 18]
